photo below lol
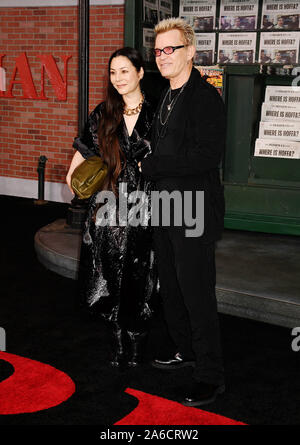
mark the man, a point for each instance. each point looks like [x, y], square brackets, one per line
[237, 24]
[294, 23]
[222, 57]
[198, 24]
[188, 142]
[264, 58]
[235, 58]
[280, 23]
[267, 24]
[278, 58]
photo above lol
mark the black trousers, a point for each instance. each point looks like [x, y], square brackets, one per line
[187, 277]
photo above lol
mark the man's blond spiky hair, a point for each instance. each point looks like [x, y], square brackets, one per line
[177, 23]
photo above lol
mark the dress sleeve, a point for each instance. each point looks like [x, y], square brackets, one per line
[87, 144]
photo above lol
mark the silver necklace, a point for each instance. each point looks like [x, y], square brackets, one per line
[171, 104]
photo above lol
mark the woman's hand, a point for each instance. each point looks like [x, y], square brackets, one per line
[68, 181]
[140, 166]
[77, 160]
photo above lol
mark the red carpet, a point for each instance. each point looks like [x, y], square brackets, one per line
[154, 410]
[33, 386]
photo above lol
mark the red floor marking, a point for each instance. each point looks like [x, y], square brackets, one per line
[154, 410]
[33, 386]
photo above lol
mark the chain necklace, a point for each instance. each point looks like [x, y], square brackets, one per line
[136, 110]
[171, 104]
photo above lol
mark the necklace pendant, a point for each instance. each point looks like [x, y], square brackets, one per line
[169, 107]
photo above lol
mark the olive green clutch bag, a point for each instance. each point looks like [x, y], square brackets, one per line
[88, 177]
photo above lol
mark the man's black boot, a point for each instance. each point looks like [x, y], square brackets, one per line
[201, 394]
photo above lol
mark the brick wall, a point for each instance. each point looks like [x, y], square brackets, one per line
[30, 128]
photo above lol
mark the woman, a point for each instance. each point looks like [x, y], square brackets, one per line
[117, 269]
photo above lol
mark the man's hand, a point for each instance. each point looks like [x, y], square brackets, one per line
[140, 166]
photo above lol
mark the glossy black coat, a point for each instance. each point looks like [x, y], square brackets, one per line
[117, 276]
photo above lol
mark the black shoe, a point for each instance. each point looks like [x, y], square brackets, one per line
[202, 394]
[172, 363]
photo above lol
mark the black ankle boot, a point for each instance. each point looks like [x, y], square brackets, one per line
[117, 346]
[136, 342]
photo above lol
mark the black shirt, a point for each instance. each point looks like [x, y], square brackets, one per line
[163, 112]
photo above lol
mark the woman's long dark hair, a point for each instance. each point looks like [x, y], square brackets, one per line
[111, 117]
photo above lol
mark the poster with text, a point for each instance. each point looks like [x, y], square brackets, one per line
[151, 12]
[279, 47]
[272, 148]
[286, 130]
[236, 48]
[238, 15]
[280, 112]
[280, 15]
[205, 48]
[165, 9]
[200, 14]
[282, 95]
[148, 44]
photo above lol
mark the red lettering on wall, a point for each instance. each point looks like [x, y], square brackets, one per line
[22, 66]
[2, 86]
[48, 64]
[59, 84]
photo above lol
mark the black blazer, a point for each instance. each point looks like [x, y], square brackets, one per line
[189, 155]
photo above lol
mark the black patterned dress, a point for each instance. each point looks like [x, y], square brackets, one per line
[117, 273]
